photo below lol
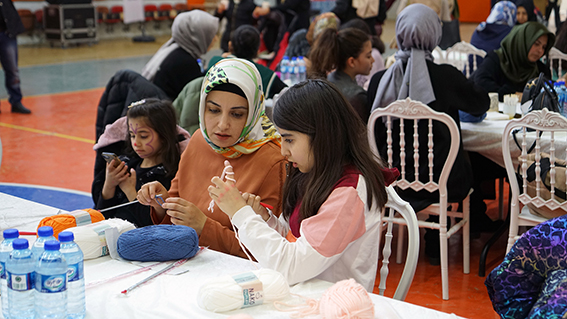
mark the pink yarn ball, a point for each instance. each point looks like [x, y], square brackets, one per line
[240, 316]
[346, 299]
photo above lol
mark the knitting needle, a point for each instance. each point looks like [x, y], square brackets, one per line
[124, 275]
[171, 266]
[160, 202]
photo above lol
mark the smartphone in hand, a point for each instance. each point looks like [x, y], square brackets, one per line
[109, 157]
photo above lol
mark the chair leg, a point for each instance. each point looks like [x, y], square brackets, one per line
[514, 212]
[500, 198]
[489, 243]
[466, 236]
[400, 243]
[444, 262]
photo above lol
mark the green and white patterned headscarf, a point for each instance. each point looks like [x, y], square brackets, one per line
[258, 130]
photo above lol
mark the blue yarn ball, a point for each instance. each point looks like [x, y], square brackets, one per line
[158, 243]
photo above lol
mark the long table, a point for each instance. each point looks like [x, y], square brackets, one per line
[175, 296]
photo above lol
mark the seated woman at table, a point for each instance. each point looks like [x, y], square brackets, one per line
[525, 11]
[508, 69]
[152, 154]
[332, 197]
[488, 35]
[175, 63]
[234, 127]
[443, 88]
[349, 53]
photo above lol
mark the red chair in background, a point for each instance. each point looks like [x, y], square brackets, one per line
[164, 12]
[115, 16]
[150, 14]
[177, 9]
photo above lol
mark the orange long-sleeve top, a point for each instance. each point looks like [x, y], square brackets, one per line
[261, 173]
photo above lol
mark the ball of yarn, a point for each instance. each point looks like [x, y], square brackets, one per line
[346, 299]
[225, 294]
[91, 238]
[62, 222]
[158, 243]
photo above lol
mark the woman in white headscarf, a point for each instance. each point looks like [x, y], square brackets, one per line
[443, 88]
[175, 63]
[233, 126]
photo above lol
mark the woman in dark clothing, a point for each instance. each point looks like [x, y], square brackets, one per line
[441, 87]
[488, 35]
[508, 69]
[175, 63]
[237, 14]
[290, 9]
[525, 11]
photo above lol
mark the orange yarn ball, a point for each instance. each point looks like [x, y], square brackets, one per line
[62, 222]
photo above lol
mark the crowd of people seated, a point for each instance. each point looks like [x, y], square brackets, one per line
[180, 124]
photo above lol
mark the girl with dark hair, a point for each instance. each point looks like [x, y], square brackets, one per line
[233, 126]
[332, 197]
[349, 53]
[152, 155]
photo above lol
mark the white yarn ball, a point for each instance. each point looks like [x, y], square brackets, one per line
[224, 294]
[91, 243]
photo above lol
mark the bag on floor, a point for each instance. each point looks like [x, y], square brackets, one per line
[545, 184]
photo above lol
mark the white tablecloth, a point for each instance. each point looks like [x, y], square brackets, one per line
[486, 138]
[175, 296]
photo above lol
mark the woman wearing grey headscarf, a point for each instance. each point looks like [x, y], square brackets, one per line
[444, 89]
[175, 63]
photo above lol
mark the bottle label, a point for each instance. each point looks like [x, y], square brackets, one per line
[51, 283]
[21, 282]
[2, 270]
[75, 272]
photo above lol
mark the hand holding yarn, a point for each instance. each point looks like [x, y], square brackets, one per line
[183, 212]
[147, 195]
[225, 194]
[255, 202]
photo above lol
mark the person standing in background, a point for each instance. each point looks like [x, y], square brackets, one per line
[10, 26]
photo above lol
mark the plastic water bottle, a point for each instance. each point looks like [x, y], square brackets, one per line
[284, 69]
[294, 70]
[20, 275]
[200, 62]
[44, 234]
[5, 250]
[302, 69]
[51, 283]
[75, 276]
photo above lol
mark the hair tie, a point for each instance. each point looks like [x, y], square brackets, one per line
[140, 102]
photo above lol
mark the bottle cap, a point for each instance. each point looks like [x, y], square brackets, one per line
[20, 243]
[51, 245]
[285, 57]
[11, 233]
[66, 236]
[45, 231]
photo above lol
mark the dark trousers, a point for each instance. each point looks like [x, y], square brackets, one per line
[9, 60]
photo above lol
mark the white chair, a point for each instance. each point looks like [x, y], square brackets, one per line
[438, 55]
[416, 112]
[540, 121]
[458, 56]
[558, 57]
[396, 204]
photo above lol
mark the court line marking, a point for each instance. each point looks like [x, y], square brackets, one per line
[48, 133]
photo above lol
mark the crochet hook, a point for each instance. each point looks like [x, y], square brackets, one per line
[158, 198]
[171, 266]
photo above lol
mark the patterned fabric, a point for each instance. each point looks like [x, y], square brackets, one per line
[503, 12]
[258, 130]
[529, 272]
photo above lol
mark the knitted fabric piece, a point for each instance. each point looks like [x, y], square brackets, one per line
[515, 286]
[158, 243]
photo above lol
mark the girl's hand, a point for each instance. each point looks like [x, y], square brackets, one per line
[254, 201]
[185, 213]
[116, 172]
[147, 194]
[128, 186]
[226, 195]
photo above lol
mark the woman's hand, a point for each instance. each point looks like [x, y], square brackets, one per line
[183, 212]
[225, 194]
[115, 174]
[254, 201]
[128, 186]
[147, 194]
